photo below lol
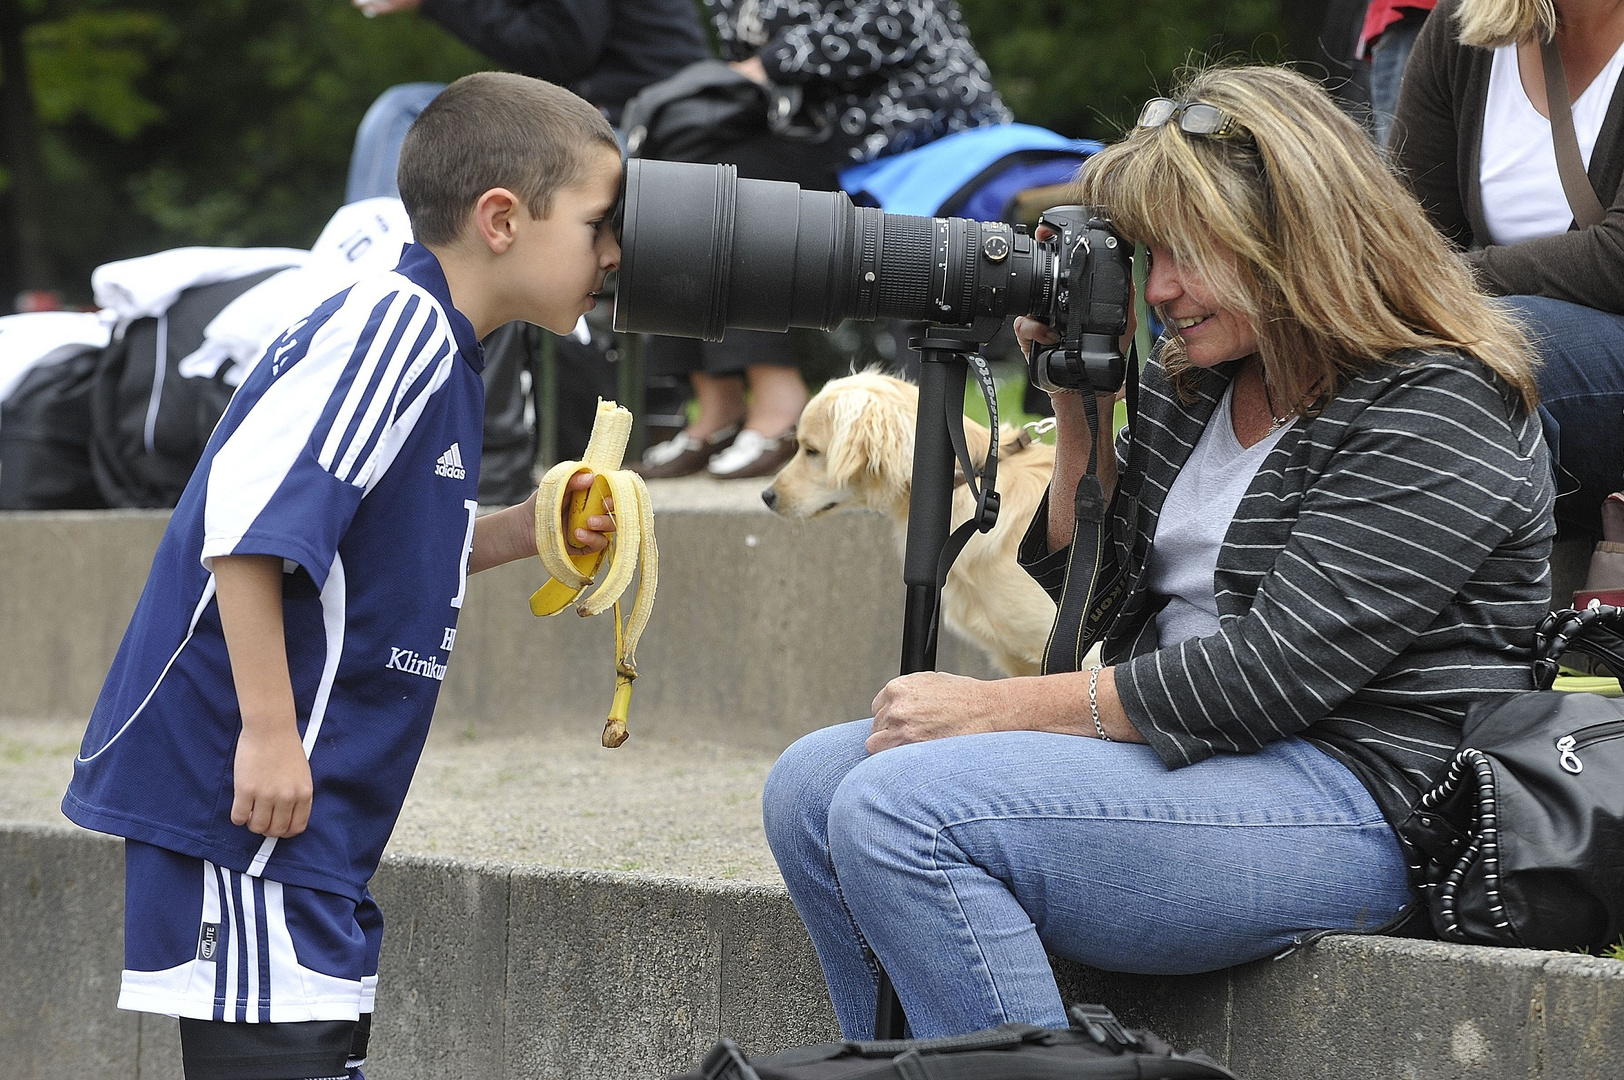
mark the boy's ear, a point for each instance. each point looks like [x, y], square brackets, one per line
[495, 215]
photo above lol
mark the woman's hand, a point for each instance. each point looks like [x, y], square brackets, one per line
[934, 705]
[751, 69]
[1029, 330]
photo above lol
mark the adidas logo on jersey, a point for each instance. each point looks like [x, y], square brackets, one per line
[450, 464]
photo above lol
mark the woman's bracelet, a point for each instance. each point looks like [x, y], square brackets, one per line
[1094, 702]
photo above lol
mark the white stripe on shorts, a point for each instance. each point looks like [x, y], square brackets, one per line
[194, 989]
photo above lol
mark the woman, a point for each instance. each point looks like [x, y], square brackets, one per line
[872, 77]
[1332, 523]
[1474, 141]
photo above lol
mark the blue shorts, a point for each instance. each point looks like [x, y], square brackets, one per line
[207, 943]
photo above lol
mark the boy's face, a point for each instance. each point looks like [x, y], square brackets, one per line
[562, 259]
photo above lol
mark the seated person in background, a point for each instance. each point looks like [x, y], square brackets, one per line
[603, 50]
[1331, 527]
[1473, 139]
[875, 77]
[1386, 39]
[260, 724]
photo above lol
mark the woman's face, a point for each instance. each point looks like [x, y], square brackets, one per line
[1212, 334]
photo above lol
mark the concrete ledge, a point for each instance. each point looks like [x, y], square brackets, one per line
[766, 628]
[494, 970]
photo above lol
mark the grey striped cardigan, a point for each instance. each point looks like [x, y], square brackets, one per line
[1384, 570]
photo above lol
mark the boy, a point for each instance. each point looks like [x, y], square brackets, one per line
[260, 724]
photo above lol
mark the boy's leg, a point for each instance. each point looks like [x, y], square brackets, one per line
[268, 979]
[369, 917]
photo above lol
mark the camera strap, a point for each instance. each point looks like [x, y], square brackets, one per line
[983, 482]
[1088, 602]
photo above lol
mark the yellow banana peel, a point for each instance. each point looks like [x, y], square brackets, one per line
[559, 512]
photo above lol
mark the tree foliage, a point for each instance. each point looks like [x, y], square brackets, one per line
[170, 122]
[1084, 68]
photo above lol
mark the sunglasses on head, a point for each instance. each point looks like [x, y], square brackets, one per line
[1194, 117]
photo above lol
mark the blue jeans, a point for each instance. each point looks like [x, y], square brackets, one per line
[1581, 391]
[962, 863]
[1389, 55]
[378, 139]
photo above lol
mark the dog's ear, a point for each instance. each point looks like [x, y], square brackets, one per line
[870, 443]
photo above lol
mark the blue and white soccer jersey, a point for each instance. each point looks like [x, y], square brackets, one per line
[352, 453]
[208, 943]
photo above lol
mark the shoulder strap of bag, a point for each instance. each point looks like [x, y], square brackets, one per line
[1570, 165]
[1597, 631]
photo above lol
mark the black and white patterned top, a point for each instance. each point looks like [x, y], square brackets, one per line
[888, 75]
[1385, 569]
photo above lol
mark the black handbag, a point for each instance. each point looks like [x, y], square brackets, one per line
[695, 114]
[1096, 1045]
[1522, 843]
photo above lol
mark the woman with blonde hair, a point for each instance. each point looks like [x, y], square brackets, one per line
[1477, 139]
[1327, 537]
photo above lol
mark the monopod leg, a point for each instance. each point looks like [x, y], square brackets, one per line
[930, 507]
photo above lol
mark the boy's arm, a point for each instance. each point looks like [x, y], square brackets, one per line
[271, 773]
[510, 534]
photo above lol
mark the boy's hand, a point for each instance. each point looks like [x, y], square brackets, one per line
[595, 537]
[272, 778]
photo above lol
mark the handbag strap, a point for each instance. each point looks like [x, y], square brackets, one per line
[1570, 165]
[1597, 630]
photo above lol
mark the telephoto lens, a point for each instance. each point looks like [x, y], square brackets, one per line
[703, 250]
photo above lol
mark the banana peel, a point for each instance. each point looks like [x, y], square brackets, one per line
[559, 512]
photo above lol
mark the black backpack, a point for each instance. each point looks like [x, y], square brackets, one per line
[45, 438]
[695, 114]
[1095, 1047]
[148, 424]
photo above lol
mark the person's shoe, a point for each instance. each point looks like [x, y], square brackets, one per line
[753, 454]
[682, 454]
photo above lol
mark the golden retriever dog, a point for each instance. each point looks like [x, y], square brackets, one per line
[856, 441]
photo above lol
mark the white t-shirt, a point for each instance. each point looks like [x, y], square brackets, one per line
[1200, 505]
[1522, 191]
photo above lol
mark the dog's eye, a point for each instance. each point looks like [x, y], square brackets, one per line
[811, 451]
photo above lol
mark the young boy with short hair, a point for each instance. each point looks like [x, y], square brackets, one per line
[261, 722]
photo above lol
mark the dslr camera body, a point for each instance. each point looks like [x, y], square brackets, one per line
[1090, 306]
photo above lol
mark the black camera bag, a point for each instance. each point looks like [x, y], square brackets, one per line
[695, 114]
[1095, 1047]
[1522, 843]
[149, 424]
[45, 438]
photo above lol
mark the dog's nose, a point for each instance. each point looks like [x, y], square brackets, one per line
[770, 497]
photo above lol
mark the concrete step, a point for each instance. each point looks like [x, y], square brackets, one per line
[493, 969]
[765, 628]
[664, 805]
[545, 946]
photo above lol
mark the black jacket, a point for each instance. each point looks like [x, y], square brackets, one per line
[1439, 136]
[604, 50]
[889, 75]
[1384, 571]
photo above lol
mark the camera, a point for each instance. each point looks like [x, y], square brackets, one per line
[703, 250]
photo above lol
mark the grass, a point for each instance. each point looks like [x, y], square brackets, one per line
[1011, 381]
[1615, 951]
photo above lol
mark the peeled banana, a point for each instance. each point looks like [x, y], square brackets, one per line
[573, 572]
